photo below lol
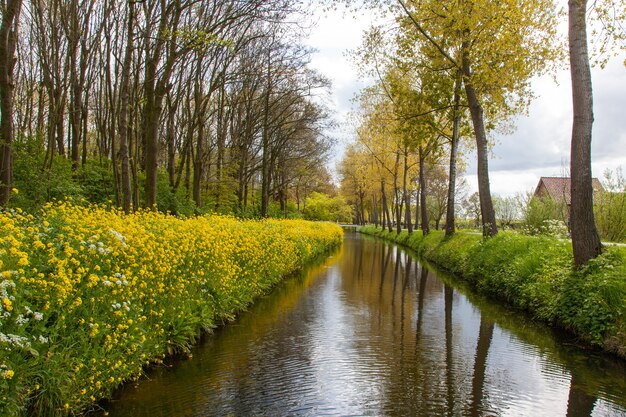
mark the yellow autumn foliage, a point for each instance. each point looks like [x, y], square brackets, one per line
[90, 296]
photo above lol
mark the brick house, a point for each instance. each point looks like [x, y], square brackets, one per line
[558, 190]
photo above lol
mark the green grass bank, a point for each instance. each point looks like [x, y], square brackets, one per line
[536, 274]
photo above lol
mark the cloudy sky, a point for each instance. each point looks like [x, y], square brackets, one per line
[540, 144]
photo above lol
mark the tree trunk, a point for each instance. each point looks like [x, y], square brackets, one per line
[375, 210]
[221, 147]
[417, 208]
[198, 169]
[362, 196]
[585, 240]
[170, 138]
[153, 112]
[424, 209]
[450, 209]
[407, 197]
[75, 114]
[123, 113]
[488, 215]
[385, 207]
[8, 42]
[265, 166]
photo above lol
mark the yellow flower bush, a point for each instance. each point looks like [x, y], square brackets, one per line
[89, 296]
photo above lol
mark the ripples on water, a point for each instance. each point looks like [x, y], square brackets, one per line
[373, 332]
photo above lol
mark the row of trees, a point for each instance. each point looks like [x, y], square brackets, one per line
[448, 61]
[454, 69]
[177, 101]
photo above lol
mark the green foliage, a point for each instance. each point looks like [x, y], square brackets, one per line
[610, 215]
[594, 300]
[539, 217]
[290, 211]
[536, 273]
[322, 207]
[38, 181]
[36, 185]
[179, 202]
[96, 181]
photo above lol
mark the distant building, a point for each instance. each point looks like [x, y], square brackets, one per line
[558, 189]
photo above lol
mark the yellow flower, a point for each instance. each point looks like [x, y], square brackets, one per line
[9, 374]
[8, 306]
[14, 190]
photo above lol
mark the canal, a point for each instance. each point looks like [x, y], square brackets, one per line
[371, 331]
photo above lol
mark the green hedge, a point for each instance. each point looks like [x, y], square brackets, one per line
[535, 273]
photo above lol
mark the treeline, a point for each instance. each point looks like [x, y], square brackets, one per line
[448, 72]
[189, 105]
[438, 84]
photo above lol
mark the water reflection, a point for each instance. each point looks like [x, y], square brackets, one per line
[374, 332]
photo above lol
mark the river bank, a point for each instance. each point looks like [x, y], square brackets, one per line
[535, 273]
[90, 296]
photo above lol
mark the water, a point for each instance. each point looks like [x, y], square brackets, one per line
[373, 332]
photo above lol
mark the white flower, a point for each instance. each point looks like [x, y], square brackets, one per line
[118, 236]
[15, 340]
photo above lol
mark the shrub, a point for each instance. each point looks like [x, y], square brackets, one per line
[322, 207]
[539, 211]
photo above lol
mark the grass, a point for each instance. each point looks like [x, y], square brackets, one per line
[536, 273]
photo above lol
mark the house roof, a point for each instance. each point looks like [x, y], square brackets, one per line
[559, 188]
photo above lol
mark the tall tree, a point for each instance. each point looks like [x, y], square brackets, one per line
[497, 48]
[585, 239]
[123, 111]
[8, 43]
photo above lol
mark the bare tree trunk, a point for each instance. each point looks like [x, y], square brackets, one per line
[585, 239]
[221, 146]
[417, 207]
[362, 198]
[422, 180]
[170, 139]
[198, 170]
[488, 214]
[450, 209]
[407, 196]
[8, 42]
[375, 210]
[385, 207]
[123, 112]
[265, 168]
